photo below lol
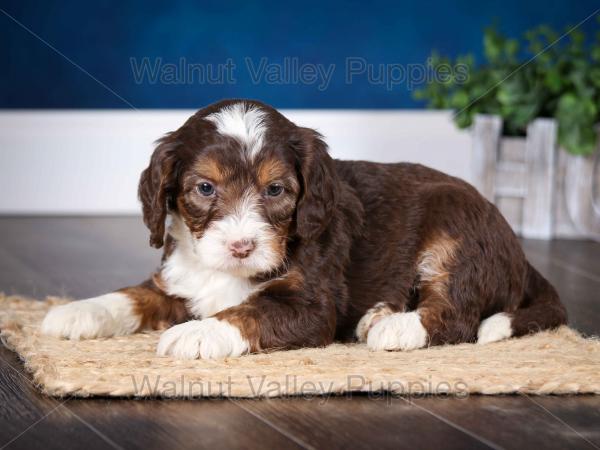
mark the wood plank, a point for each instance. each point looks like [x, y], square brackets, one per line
[17, 277]
[30, 420]
[517, 422]
[579, 415]
[486, 135]
[541, 157]
[82, 257]
[582, 257]
[577, 213]
[579, 293]
[361, 421]
[173, 424]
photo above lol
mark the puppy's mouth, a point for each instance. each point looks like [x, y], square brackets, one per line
[261, 260]
[245, 268]
[247, 263]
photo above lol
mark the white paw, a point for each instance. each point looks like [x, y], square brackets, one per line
[371, 317]
[208, 338]
[78, 320]
[398, 331]
[494, 328]
[104, 316]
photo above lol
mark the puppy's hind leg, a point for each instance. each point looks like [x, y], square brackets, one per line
[386, 326]
[439, 317]
[448, 293]
[540, 309]
[373, 315]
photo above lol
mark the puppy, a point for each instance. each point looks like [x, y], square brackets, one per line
[272, 244]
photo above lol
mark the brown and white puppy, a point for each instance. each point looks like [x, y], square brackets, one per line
[272, 244]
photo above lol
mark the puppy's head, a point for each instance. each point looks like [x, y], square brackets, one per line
[239, 181]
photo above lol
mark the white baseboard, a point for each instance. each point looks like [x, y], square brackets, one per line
[88, 161]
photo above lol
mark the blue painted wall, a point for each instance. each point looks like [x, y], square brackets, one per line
[112, 41]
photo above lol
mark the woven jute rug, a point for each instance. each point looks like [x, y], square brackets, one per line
[555, 362]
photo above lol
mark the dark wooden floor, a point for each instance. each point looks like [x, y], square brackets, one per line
[86, 257]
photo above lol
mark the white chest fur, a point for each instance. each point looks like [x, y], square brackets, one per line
[207, 291]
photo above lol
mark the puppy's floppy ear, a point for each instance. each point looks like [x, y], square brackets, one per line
[319, 184]
[157, 185]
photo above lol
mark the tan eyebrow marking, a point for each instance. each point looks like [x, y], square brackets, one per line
[270, 170]
[209, 167]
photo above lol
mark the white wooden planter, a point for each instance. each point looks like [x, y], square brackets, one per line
[541, 190]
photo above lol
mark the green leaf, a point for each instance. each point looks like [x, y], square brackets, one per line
[578, 140]
[463, 119]
[492, 44]
[576, 119]
[553, 80]
[595, 77]
[459, 100]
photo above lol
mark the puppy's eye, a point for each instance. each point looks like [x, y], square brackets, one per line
[275, 189]
[206, 189]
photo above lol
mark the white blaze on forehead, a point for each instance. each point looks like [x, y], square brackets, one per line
[244, 122]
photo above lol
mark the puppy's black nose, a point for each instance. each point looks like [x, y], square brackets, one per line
[242, 248]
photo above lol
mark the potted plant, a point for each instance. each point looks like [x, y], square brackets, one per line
[534, 115]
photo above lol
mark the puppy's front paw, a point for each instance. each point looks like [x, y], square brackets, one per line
[399, 331]
[208, 338]
[79, 320]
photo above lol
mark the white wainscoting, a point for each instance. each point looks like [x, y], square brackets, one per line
[88, 161]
